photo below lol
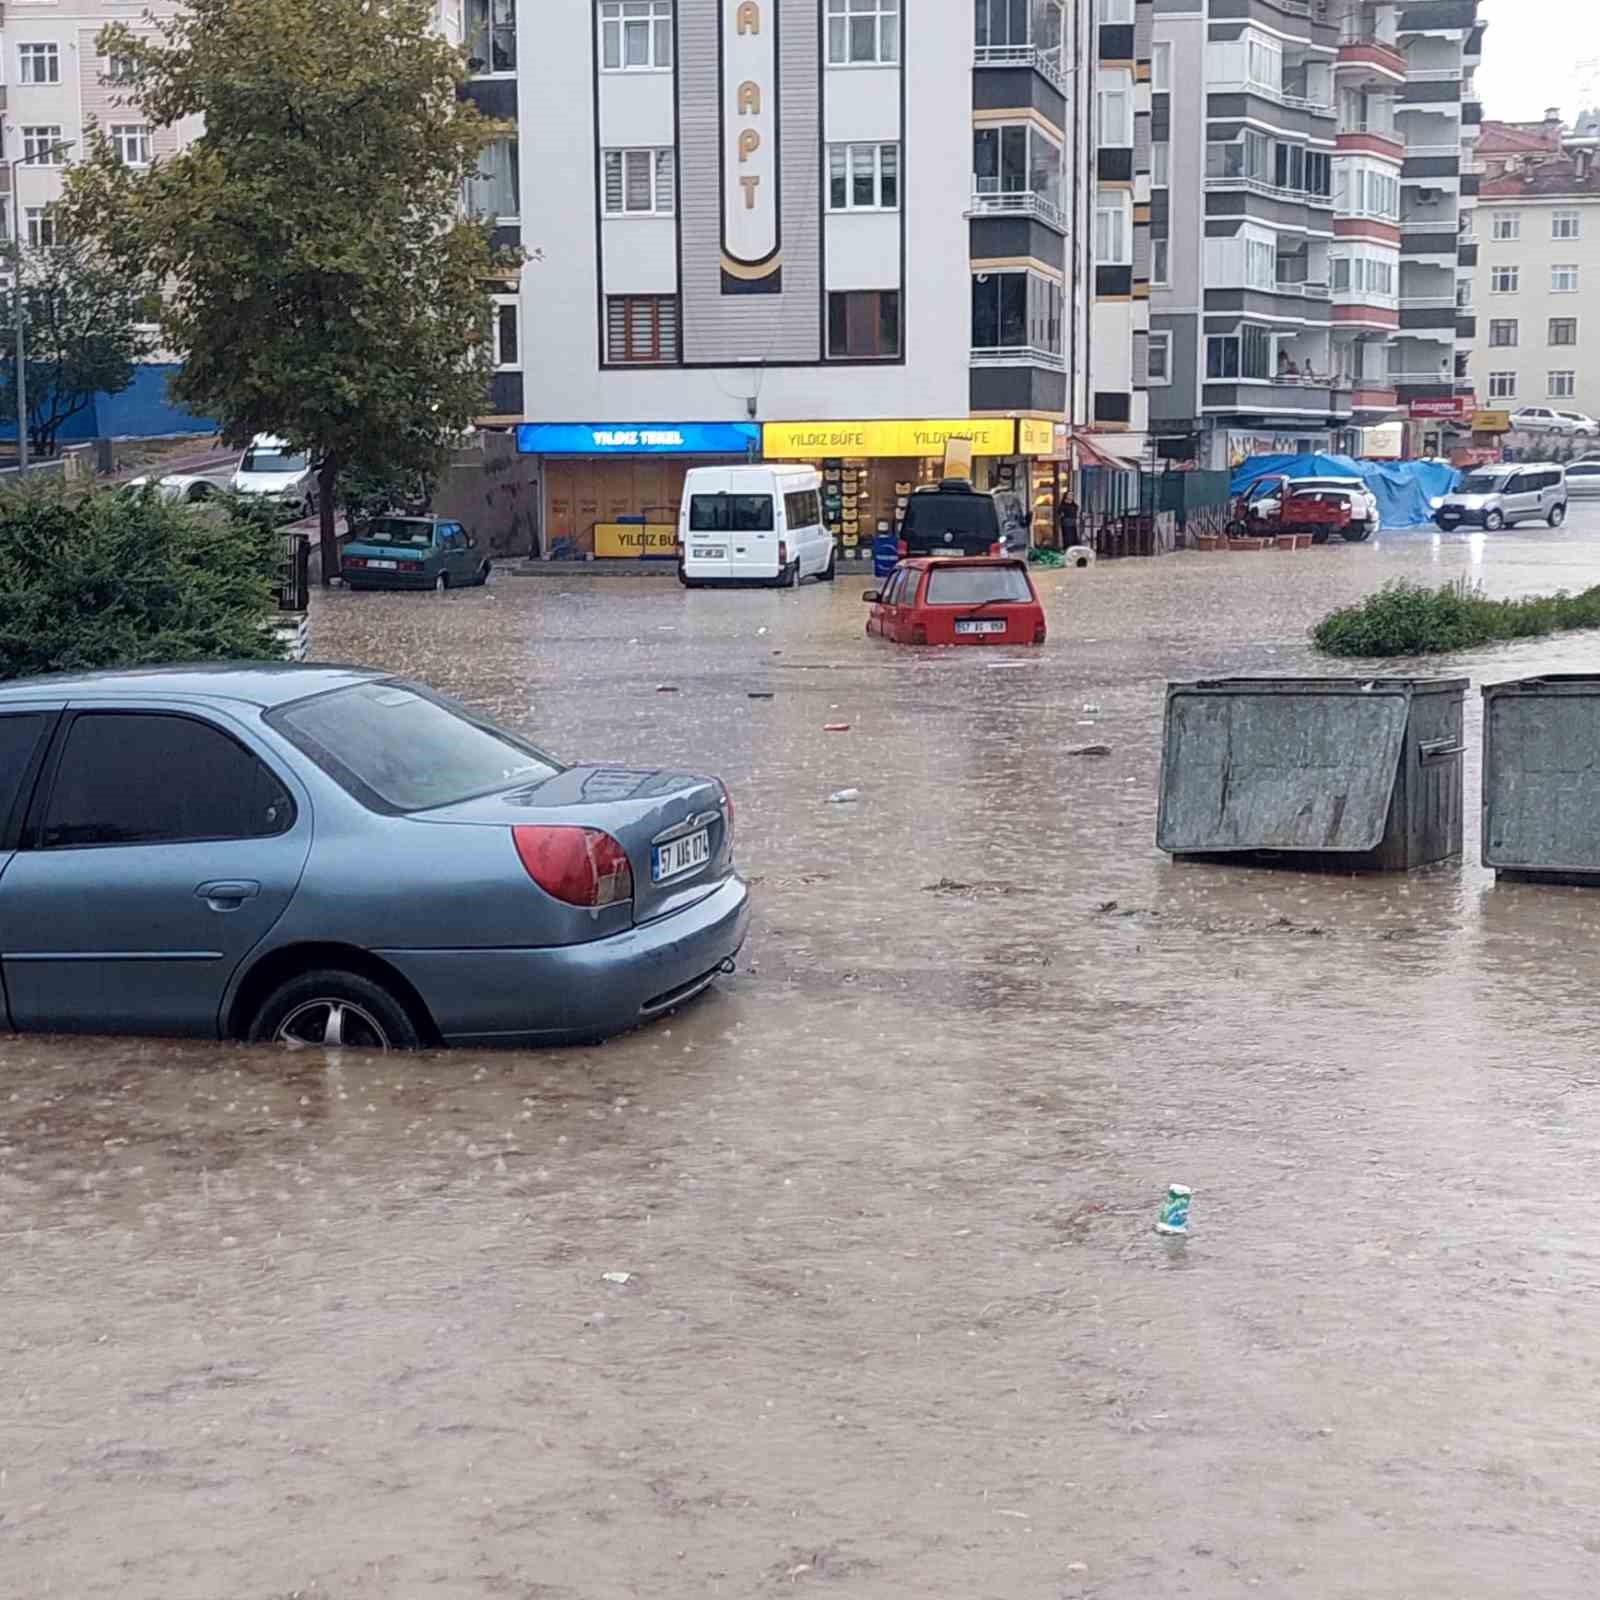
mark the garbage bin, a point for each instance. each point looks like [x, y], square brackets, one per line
[1342, 774]
[1541, 778]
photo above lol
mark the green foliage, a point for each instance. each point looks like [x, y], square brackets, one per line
[365, 495]
[322, 283]
[129, 579]
[1410, 619]
[81, 311]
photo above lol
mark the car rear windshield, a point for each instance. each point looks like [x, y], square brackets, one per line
[1482, 483]
[398, 531]
[261, 459]
[971, 586]
[399, 749]
[968, 516]
[735, 513]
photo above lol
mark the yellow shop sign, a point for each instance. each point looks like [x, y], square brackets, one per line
[1036, 436]
[809, 441]
[635, 538]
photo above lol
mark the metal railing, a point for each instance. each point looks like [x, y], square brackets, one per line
[1311, 291]
[1407, 379]
[1427, 302]
[1018, 356]
[1432, 74]
[1375, 130]
[1452, 149]
[1362, 30]
[1271, 190]
[1019, 203]
[1045, 63]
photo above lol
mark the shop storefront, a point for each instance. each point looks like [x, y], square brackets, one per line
[613, 489]
[869, 469]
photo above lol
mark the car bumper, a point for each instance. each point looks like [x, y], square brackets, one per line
[1458, 519]
[388, 580]
[581, 991]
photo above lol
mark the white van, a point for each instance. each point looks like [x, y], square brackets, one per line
[757, 524]
[270, 468]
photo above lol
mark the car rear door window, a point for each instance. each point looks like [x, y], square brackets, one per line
[971, 586]
[127, 778]
[736, 513]
[20, 733]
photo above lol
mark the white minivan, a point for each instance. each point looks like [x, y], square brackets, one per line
[755, 524]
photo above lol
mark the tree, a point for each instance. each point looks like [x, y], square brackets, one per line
[322, 282]
[120, 580]
[82, 314]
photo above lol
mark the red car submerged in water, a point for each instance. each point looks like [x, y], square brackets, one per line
[965, 600]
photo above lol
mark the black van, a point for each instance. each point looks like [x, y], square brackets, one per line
[953, 519]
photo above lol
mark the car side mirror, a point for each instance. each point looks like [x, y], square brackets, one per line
[871, 597]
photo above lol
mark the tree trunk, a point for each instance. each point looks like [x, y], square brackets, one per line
[327, 484]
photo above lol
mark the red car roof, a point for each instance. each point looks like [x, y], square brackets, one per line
[922, 563]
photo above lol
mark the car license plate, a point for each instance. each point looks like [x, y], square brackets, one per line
[678, 856]
[979, 625]
[709, 552]
[387, 566]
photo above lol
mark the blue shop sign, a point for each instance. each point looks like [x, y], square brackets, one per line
[637, 438]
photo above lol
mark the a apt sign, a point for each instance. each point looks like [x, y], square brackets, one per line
[752, 222]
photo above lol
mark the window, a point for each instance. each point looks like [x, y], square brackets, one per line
[1016, 311]
[38, 146]
[636, 35]
[1160, 254]
[117, 69]
[492, 35]
[1263, 63]
[863, 33]
[639, 183]
[803, 509]
[41, 226]
[506, 328]
[1016, 158]
[642, 328]
[1246, 354]
[731, 513]
[1160, 364]
[1563, 385]
[1009, 24]
[1113, 228]
[1505, 225]
[1564, 280]
[863, 177]
[1115, 100]
[1114, 12]
[131, 141]
[1245, 157]
[1563, 330]
[1503, 333]
[864, 324]
[1260, 263]
[497, 192]
[1160, 164]
[1161, 68]
[1503, 280]
[38, 63]
[210, 786]
[19, 739]
[1463, 294]
[1366, 190]
[1502, 386]
[1565, 225]
[975, 586]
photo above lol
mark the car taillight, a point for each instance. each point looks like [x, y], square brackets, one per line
[582, 866]
[355, 561]
[902, 548]
[997, 549]
[919, 634]
[783, 555]
[408, 566]
[1038, 633]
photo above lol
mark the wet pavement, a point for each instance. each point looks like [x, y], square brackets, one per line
[896, 1321]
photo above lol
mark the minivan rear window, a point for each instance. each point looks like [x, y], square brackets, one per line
[965, 515]
[735, 513]
[972, 586]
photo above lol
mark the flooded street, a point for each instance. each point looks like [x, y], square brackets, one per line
[895, 1320]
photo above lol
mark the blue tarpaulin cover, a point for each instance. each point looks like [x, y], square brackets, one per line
[1404, 489]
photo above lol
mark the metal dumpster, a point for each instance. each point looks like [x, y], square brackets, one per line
[1541, 778]
[1343, 774]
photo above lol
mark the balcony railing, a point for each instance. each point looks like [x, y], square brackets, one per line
[1364, 30]
[1047, 63]
[1432, 74]
[1018, 356]
[1260, 186]
[1019, 203]
[1420, 151]
[1375, 130]
[1311, 291]
[1427, 302]
[1403, 378]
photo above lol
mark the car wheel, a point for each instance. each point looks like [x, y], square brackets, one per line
[1493, 521]
[831, 570]
[1558, 515]
[1319, 536]
[441, 583]
[329, 1010]
[483, 573]
[685, 579]
[1357, 533]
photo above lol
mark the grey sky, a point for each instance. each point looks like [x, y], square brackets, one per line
[1539, 53]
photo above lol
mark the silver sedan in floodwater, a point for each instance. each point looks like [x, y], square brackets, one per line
[330, 856]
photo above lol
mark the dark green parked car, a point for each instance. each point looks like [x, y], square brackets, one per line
[413, 553]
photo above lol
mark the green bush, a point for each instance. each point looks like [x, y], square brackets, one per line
[123, 580]
[1410, 619]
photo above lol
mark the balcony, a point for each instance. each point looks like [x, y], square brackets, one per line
[1323, 395]
[1019, 203]
[1018, 356]
[1434, 152]
[1369, 55]
[1439, 16]
[1308, 291]
[1371, 138]
[1371, 394]
[1423, 241]
[1047, 63]
[1430, 317]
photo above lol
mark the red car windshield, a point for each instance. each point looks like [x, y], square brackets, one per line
[974, 586]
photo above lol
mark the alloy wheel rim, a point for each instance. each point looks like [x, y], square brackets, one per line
[329, 1024]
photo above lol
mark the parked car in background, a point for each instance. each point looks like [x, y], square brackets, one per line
[177, 486]
[955, 600]
[413, 553]
[1583, 480]
[1363, 503]
[1580, 423]
[951, 518]
[753, 524]
[1539, 419]
[328, 856]
[1502, 496]
[271, 469]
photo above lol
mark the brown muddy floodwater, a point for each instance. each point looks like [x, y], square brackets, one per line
[896, 1323]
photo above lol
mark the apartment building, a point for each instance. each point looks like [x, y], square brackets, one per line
[841, 231]
[1304, 279]
[1537, 285]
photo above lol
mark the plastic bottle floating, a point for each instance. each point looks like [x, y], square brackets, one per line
[1175, 1210]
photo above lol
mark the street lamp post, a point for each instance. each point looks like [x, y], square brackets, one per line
[59, 148]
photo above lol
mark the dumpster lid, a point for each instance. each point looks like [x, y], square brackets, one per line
[1551, 682]
[1304, 764]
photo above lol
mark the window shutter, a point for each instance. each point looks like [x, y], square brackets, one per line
[616, 328]
[613, 170]
[666, 184]
[636, 179]
[667, 328]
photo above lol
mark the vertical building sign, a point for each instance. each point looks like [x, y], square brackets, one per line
[752, 220]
